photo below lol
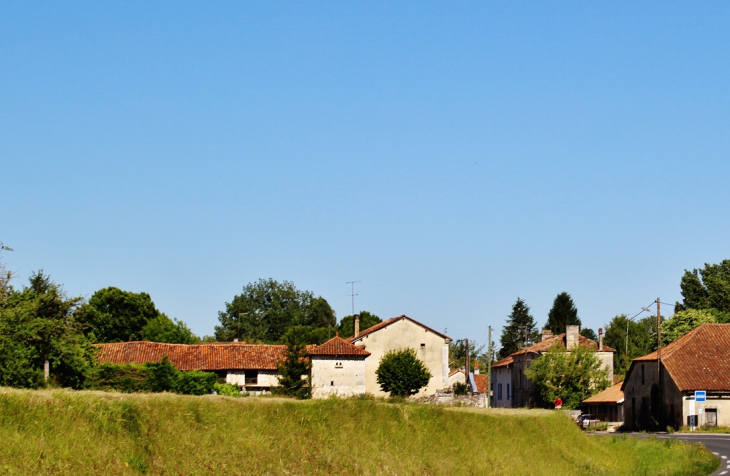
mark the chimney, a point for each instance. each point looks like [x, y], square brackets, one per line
[357, 324]
[572, 337]
[600, 339]
[546, 334]
[476, 367]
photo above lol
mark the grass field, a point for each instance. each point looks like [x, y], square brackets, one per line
[66, 432]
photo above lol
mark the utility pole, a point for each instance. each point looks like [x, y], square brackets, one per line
[659, 355]
[466, 364]
[626, 348]
[489, 370]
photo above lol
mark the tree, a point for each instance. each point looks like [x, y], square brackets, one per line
[589, 334]
[571, 376]
[266, 309]
[457, 354]
[562, 314]
[641, 340]
[294, 372]
[401, 373]
[118, 316]
[171, 331]
[347, 324]
[40, 337]
[706, 288]
[684, 321]
[520, 329]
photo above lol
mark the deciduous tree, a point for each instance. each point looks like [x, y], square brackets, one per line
[266, 309]
[347, 323]
[114, 315]
[401, 373]
[571, 376]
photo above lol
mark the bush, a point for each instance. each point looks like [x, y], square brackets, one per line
[401, 373]
[460, 388]
[195, 382]
[227, 390]
[162, 376]
[128, 378]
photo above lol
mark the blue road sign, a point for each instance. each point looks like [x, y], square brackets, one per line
[700, 395]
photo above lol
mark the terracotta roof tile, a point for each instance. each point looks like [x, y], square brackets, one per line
[699, 360]
[390, 321]
[612, 394]
[455, 371]
[482, 381]
[547, 344]
[504, 362]
[213, 356]
[338, 346]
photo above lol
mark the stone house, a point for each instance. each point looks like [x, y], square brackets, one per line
[660, 390]
[401, 332]
[254, 368]
[607, 405]
[502, 383]
[512, 373]
[338, 368]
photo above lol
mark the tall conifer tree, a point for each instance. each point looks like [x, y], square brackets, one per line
[520, 329]
[563, 313]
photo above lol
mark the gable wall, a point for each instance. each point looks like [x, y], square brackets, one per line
[342, 376]
[400, 335]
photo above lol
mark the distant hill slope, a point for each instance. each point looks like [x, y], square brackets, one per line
[66, 432]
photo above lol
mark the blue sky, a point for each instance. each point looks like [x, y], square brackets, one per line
[450, 157]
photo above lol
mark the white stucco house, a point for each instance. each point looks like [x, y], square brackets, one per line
[338, 368]
[401, 332]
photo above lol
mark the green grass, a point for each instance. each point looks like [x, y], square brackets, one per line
[705, 429]
[66, 432]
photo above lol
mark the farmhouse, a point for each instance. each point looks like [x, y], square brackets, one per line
[340, 366]
[401, 332]
[660, 390]
[252, 367]
[509, 372]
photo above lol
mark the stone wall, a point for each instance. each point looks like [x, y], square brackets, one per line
[341, 376]
[447, 397]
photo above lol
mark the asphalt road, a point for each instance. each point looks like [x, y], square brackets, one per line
[718, 443]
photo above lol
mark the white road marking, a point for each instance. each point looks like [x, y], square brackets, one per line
[723, 457]
[724, 472]
[716, 454]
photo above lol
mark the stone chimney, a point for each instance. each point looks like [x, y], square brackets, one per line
[357, 324]
[546, 334]
[476, 367]
[572, 337]
[600, 339]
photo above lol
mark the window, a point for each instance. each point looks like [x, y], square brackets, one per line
[508, 395]
[338, 365]
[332, 383]
[499, 391]
[711, 417]
[251, 377]
[423, 346]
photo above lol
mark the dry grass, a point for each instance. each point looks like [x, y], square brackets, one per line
[66, 432]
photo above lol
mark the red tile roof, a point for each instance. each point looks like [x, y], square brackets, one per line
[214, 356]
[699, 360]
[504, 362]
[612, 394]
[482, 381]
[455, 371]
[547, 344]
[338, 346]
[390, 321]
